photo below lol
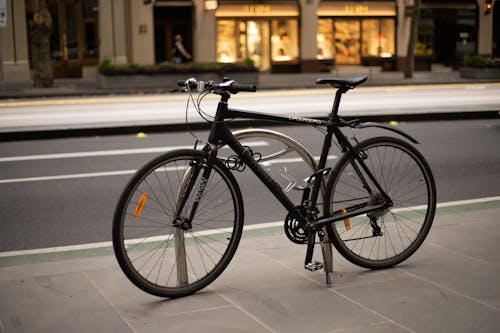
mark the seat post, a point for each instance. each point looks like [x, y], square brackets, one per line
[336, 103]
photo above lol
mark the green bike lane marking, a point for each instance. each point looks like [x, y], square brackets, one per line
[14, 258]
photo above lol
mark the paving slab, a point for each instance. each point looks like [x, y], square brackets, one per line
[422, 306]
[57, 303]
[470, 235]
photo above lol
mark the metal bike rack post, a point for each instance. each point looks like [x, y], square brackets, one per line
[179, 241]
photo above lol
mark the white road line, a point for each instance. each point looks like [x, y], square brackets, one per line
[466, 202]
[108, 152]
[121, 172]
[70, 176]
[91, 154]
[258, 226]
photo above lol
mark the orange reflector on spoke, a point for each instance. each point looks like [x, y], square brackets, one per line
[140, 205]
[347, 223]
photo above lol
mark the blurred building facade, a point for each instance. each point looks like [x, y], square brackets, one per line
[277, 35]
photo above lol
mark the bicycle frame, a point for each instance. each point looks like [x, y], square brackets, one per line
[220, 134]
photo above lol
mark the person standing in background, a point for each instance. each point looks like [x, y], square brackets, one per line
[180, 54]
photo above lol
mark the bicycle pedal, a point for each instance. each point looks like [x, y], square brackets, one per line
[313, 267]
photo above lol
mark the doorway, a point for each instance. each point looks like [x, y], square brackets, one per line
[347, 41]
[171, 21]
[74, 38]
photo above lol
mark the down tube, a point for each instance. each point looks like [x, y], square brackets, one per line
[270, 183]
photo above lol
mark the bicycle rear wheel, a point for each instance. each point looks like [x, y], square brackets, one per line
[383, 238]
[154, 244]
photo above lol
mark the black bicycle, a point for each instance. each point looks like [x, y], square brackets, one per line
[180, 218]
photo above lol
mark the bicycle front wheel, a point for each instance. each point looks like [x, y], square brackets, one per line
[159, 248]
[383, 238]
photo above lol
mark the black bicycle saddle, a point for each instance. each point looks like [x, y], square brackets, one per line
[343, 83]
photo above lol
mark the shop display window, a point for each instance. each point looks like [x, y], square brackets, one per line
[425, 40]
[226, 41]
[347, 41]
[324, 39]
[257, 39]
[264, 41]
[378, 38]
[284, 40]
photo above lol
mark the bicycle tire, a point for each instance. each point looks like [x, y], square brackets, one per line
[406, 177]
[165, 260]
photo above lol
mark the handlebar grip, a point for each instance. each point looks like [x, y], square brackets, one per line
[192, 83]
[236, 87]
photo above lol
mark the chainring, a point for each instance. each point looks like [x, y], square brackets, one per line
[294, 230]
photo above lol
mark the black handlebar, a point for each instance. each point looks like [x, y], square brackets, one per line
[230, 86]
[236, 87]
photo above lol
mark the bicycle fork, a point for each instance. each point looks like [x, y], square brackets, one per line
[184, 224]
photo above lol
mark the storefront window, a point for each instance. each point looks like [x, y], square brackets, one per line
[347, 41]
[387, 40]
[425, 40]
[284, 40]
[257, 43]
[324, 39]
[226, 41]
[266, 33]
[356, 32]
[378, 38]
[263, 41]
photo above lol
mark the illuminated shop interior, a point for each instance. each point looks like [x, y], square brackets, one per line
[261, 34]
[349, 40]
[356, 33]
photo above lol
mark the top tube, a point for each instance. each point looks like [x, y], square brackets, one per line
[235, 113]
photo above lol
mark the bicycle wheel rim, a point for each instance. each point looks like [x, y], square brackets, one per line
[406, 178]
[165, 260]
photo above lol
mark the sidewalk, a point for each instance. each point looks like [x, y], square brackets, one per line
[449, 285]
[376, 77]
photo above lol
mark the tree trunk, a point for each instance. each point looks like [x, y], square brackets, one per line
[410, 54]
[40, 26]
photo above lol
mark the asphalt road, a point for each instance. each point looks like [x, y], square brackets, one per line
[63, 191]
